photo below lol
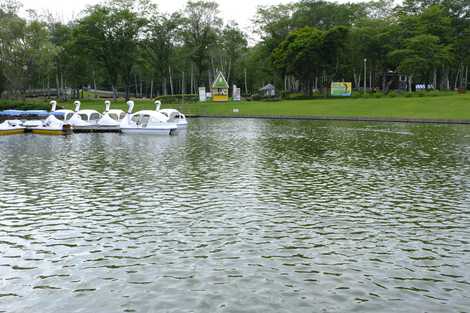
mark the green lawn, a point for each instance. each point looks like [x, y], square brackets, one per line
[448, 107]
[454, 107]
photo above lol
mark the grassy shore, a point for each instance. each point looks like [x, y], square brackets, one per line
[451, 107]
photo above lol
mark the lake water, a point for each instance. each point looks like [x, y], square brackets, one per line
[238, 216]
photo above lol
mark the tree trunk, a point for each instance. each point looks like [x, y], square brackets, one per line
[136, 90]
[457, 78]
[229, 70]
[466, 78]
[192, 79]
[246, 84]
[357, 80]
[151, 89]
[57, 84]
[171, 81]
[62, 86]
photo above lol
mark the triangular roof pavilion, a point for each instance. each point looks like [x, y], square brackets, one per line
[220, 82]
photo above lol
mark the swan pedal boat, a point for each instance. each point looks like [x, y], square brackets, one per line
[83, 118]
[11, 127]
[146, 122]
[111, 119]
[175, 116]
[91, 120]
[52, 126]
[172, 115]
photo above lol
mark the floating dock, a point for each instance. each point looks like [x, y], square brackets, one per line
[83, 129]
[96, 129]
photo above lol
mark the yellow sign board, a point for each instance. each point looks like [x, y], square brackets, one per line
[341, 89]
[220, 98]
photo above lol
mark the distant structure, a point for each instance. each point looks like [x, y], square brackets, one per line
[268, 91]
[220, 89]
[393, 81]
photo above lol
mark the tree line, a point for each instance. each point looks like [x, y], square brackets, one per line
[129, 47]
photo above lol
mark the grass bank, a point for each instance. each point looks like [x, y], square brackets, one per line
[449, 107]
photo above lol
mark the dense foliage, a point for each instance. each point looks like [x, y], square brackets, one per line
[130, 48]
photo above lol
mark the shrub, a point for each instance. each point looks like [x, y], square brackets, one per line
[175, 99]
[264, 98]
[393, 94]
[434, 93]
[294, 96]
[357, 95]
[21, 105]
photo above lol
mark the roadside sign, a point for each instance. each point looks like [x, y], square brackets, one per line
[341, 89]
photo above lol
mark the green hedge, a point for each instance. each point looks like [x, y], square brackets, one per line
[369, 95]
[176, 99]
[23, 105]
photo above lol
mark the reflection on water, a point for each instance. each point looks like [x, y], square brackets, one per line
[238, 216]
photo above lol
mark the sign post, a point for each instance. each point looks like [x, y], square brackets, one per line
[236, 93]
[341, 89]
[202, 94]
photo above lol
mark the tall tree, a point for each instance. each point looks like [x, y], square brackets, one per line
[159, 44]
[301, 55]
[110, 34]
[202, 24]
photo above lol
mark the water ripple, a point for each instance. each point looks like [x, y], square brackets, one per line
[238, 216]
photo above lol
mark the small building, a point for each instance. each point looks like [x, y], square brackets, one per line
[268, 91]
[220, 89]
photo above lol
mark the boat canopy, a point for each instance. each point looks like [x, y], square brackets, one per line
[63, 114]
[116, 114]
[147, 118]
[172, 114]
[89, 115]
[24, 113]
[12, 113]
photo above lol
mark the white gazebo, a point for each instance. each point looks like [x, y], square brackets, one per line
[268, 91]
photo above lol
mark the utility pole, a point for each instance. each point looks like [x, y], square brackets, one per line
[365, 75]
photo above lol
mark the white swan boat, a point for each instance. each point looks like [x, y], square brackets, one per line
[11, 127]
[146, 122]
[64, 114]
[84, 118]
[173, 116]
[111, 118]
[52, 125]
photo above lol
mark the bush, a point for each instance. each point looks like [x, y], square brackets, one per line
[295, 96]
[21, 105]
[434, 93]
[290, 95]
[175, 99]
[264, 98]
[357, 95]
[392, 94]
